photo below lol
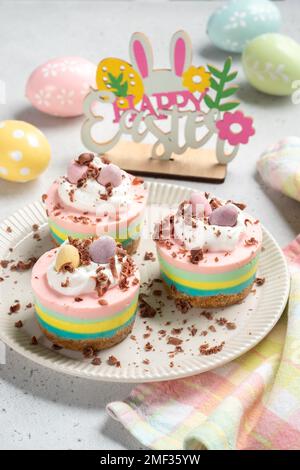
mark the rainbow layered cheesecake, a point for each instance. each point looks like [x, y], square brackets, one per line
[86, 293]
[208, 251]
[96, 198]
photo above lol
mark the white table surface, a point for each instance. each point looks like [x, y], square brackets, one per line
[39, 408]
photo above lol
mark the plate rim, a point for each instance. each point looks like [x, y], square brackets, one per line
[170, 374]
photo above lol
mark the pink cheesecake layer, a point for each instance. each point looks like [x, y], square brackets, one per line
[62, 215]
[216, 262]
[89, 307]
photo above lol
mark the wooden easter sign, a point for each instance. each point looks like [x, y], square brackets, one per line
[181, 108]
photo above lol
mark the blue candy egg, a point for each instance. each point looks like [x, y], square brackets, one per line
[237, 22]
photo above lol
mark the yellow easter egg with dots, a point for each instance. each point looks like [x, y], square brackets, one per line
[121, 78]
[24, 151]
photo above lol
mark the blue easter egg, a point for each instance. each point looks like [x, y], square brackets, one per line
[237, 22]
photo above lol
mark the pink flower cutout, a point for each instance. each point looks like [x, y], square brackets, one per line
[235, 127]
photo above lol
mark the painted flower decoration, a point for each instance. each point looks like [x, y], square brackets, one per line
[235, 127]
[196, 79]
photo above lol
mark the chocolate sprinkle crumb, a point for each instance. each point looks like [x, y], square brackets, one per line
[259, 281]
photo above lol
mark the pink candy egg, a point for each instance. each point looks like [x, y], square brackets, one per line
[75, 172]
[58, 87]
[110, 174]
[102, 250]
[200, 205]
[225, 216]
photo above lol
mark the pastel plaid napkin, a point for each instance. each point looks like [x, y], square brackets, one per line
[250, 403]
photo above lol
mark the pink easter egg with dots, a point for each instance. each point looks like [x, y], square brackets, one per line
[59, 86]
[200, 205]
[75, 172]
[110, 174]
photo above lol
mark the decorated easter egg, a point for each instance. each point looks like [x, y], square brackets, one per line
[102, 250]
[24, 151]
[224, 216]
[68, 256]
[110, 174]
[58, 87]
[237, 22]
[121, 78]
[271, 63]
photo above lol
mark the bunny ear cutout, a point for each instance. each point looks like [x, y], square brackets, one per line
[180, 52]
[141, 54]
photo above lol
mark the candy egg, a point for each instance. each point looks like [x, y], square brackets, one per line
[225, 216]
[76, 172]
[24, 151]
[271, 63]
[68, 254]
[110, 174]
[59, 86]
[200, 205]
[102, 250]
[237, 22]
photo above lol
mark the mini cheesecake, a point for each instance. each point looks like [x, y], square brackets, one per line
[208, 251]
[86, 293]
[96, 198]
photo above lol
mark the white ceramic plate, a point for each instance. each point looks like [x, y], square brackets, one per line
[254, 318]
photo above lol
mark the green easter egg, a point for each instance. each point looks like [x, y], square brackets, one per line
[271, 63]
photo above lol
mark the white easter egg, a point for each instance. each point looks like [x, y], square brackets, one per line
[59, 86]
[24, 151]
[237, 22]
[271, 63]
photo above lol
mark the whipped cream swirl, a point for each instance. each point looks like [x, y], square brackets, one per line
[87, 198]
[82, 279]
[213, 238]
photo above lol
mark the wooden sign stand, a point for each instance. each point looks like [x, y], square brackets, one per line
[194, 165]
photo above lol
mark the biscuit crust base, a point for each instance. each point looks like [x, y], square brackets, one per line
[131, 248]
[95, 344]
[215, 301]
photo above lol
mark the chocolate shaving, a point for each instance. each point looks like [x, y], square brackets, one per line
[19, 324]
[96, 361]
[251, 241]
[14, 308]
[196, 255]
[146, 310]
[85, 158]
[182, 305]
[113, 361]
[112, 265]
[82, 246]
[33, 341]
[149, 256]
[259, 281]
[137, 181]
[205, 350]
[174, 341]
[148, 347]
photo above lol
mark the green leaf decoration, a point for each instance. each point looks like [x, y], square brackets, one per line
[118, 87]
[229, 106]
[209, 102]
[230, 91]
[218, 83]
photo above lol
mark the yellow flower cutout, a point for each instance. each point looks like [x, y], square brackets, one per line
[196, 79]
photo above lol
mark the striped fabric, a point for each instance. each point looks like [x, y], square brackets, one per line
[250, 403]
